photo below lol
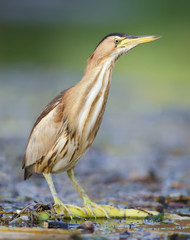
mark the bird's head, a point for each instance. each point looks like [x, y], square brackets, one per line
[115, 45]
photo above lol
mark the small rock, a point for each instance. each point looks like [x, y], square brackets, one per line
[86, 226]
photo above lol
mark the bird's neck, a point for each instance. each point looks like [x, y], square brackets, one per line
[91, 96]
[97, 76]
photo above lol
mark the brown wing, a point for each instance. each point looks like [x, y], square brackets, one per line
[44, 133]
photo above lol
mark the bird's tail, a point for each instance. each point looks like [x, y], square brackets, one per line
[28, 171]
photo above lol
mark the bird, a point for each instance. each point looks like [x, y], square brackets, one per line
[68, 125]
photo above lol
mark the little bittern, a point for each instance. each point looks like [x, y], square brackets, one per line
[68, 125]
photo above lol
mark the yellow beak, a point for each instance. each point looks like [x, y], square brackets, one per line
[136, 40]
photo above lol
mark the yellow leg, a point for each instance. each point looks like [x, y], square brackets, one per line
[87, 202]
[56, 199]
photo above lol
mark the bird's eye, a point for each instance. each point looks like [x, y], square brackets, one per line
[116, 41]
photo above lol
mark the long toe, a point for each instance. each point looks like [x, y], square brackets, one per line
[96, 210]
[62, 208]
[71, 210]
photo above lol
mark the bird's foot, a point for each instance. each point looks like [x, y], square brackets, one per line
[59, 203]
[89, 205]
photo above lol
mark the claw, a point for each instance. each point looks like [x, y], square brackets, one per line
[89, 206]
[59, 203]
[67, 207]
[79, 209]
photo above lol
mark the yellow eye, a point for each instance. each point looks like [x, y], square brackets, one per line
[116, 41]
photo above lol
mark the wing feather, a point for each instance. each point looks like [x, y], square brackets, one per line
[44, 132]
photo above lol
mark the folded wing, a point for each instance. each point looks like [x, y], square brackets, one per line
[44, 134]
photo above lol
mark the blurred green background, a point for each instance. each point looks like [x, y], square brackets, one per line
[44, 46]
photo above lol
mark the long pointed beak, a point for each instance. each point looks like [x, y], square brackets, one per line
[136, 40]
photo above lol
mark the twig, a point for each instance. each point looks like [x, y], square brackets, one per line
[145, 211]
[13, 212]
